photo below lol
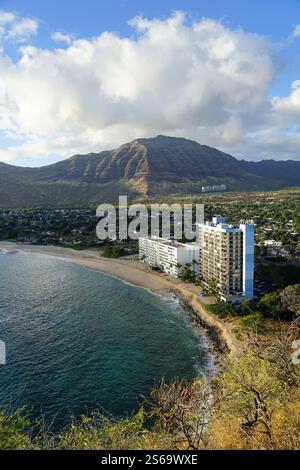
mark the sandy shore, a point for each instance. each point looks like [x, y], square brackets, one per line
[137, 274]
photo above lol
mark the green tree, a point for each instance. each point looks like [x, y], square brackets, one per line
[247, 307]
[194, 264]
[222, 309]
[213, 288]
[253, 323]
[290, 299]
[270, 305]
[113, 251]
[186, 274]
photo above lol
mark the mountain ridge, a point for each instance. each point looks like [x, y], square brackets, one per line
[160, 165]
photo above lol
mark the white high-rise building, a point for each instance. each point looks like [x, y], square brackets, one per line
[170, 256]
[227, 258]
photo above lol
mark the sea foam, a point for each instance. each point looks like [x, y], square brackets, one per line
[3, 251]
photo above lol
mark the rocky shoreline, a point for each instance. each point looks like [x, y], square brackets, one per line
[218, 345]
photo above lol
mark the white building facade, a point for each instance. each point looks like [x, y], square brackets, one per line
[169, 256]
[227, 258]
[224, 256]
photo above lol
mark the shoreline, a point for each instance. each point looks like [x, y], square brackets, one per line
[218, 345]
[137, 274]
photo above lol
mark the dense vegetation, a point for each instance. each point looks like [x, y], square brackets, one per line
[251, 315]
[252, 403]
[278, 275]
[113, 251]
[280, 305]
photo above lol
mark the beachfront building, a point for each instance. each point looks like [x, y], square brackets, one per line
[167, 255]
[227, 258]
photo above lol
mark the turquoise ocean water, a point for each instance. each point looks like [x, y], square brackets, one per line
[78, 340]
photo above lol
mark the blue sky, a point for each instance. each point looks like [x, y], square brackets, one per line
[22, 141]
[90, 17]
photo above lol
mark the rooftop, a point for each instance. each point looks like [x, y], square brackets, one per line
[172, 243]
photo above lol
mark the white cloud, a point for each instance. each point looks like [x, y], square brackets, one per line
[201, 80]
[6, 17]
[14, 28]
[296, 31]
[295, 84]
[288, 108]
[23, 29]
[61, 37]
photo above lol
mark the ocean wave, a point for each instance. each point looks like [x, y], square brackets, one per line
[3, 251]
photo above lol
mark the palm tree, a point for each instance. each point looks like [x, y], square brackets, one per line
[199, 280]
[194, 263]
[213, 288]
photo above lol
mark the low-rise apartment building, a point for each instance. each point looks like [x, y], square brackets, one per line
[167, 255]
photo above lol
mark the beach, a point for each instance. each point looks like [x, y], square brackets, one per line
[138, 274]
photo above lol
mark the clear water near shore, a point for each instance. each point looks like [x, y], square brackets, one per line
[78, 340]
